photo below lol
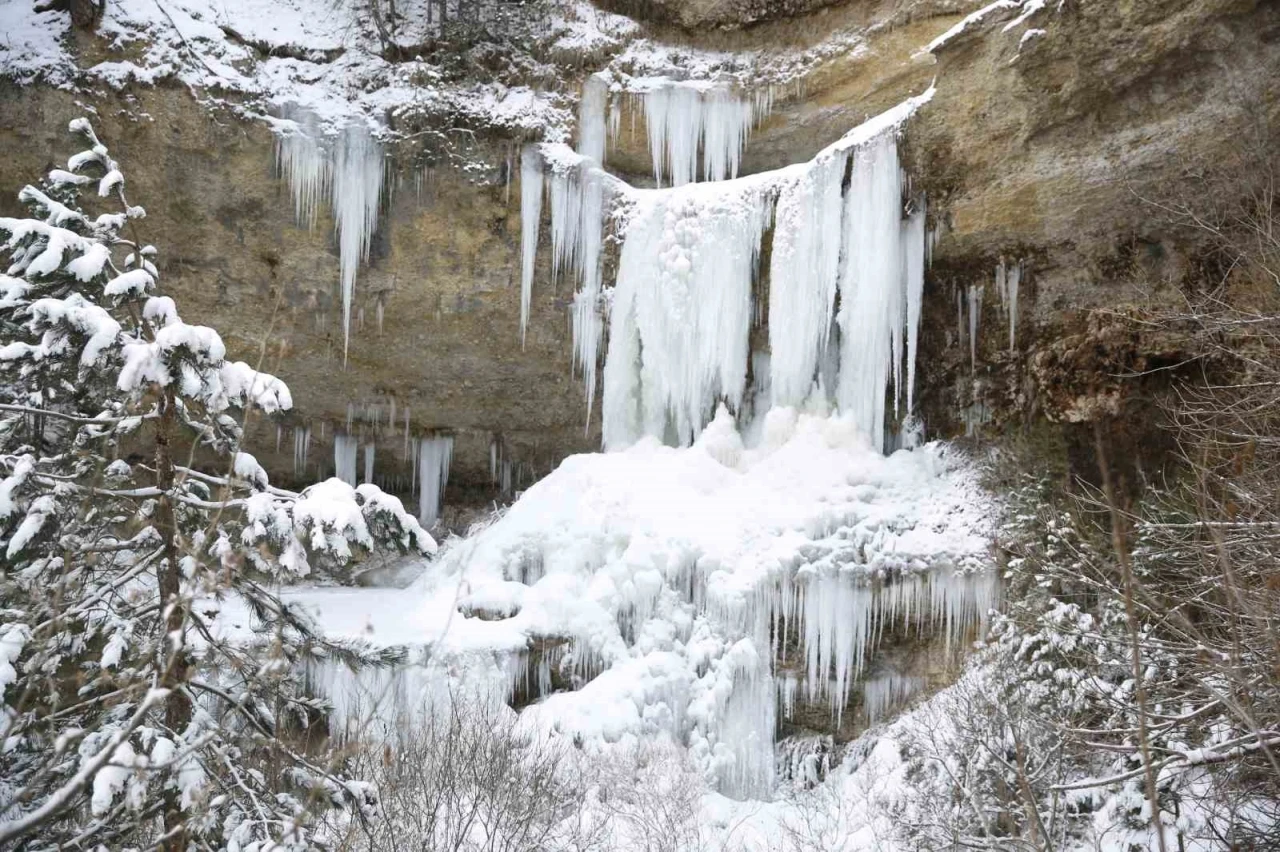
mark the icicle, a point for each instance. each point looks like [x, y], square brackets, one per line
[886, 692]
[304, 164]
[566, 220]
[914, 248]
[975, 308]
[530, 221]
[587, 326]
[358, 170]
[434, 455]
[591, 118]
[1013, 281]
[344, 458]
[353, 175]
[369, 450]
[615, 117]
[870, 284]
[684, 118]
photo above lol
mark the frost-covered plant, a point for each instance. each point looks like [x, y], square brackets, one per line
[149, 674]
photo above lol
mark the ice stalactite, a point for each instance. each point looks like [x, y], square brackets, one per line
[369, 451]
[578, 196]
[434, 455]
[358, 171]
[301, 444]
[683, 302]
[842, 619]
[344, 458]
[886, 692]
[530, 223]
[305, 165]
[587, 323]
[349, 170]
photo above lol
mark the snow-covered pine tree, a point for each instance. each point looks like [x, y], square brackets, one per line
[136, 712]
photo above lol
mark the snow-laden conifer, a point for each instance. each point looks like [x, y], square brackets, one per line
[131, 716]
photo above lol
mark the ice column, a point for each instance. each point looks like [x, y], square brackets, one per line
[913, 261]
[681, 314]
[434, 455]
[803, 272]
[592, 130]
[870, 284]
[975, 310]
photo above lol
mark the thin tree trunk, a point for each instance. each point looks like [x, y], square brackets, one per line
[1121, 548]
[177, 711]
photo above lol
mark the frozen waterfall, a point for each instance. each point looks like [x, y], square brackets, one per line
[683, 303]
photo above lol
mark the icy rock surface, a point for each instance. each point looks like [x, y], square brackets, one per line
[662, 584]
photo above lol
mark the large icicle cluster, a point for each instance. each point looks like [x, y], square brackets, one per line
[685, 122]
[683, 305]
[348, 171]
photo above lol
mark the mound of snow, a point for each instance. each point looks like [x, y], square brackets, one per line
[657, 581]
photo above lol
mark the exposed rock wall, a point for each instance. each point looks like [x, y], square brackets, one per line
[1036, 149]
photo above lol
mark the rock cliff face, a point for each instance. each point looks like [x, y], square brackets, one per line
[1037, 149]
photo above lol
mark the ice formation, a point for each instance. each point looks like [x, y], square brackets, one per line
[685, 119]
[975, 314]
[434, 455]
[578, 189]
[678, 590]
[301, 445]
[1008, 281]
[593, 130]
[684, 301]
[681, 311]
[827, 240]
[530, 217]
[344, 458]
[348, 170]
